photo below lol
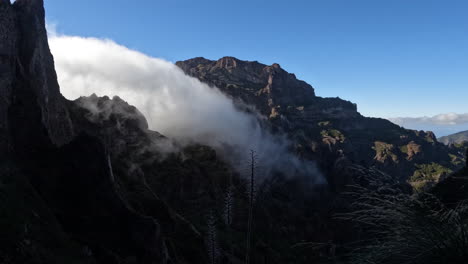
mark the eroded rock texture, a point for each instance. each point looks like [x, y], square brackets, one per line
[60, 199]
[326, 129]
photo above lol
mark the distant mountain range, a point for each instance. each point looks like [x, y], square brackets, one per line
[456, 138]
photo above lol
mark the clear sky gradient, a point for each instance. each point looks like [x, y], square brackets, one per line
[399, 58]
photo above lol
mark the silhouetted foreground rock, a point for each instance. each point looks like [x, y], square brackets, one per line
[60, 201]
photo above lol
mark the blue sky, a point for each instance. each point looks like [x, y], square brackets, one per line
[396, 58]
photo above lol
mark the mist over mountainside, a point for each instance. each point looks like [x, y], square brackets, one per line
[174, 104]
[263, 99]
[325, 129]
[146, 164]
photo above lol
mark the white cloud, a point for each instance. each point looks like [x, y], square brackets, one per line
[175, 104]
[449, 119]
[442, 124]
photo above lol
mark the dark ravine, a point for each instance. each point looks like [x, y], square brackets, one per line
[81, 184]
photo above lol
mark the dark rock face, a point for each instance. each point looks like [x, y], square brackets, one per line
[8, 39]
[37, 64]
[53, 181]
[27, 69]
[325, 129]
[100, 216]
[99, 213]
[194, 182]
[136, 154]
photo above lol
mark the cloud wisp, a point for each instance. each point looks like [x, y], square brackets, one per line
[174, 104]
[449, 119]
[442, 124]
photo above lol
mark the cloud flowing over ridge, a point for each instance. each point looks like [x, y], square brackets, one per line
[174, 104]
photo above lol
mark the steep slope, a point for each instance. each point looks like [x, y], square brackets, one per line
[30, 231]
[456, 138]
[197, 185]
[87, 182]
[27, 68]
[60, 201]
[325, 129]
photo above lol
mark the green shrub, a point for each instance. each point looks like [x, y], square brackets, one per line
[426, 175]
[333, 133]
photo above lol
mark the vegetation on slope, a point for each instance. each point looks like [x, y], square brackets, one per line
[411, 229]
[456, 138]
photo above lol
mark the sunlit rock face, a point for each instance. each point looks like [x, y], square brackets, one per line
[326, 129]
[268, 86]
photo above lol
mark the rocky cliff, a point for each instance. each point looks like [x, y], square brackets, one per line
[325, 129]
[86, 181]
[27, 70]
[60, 196]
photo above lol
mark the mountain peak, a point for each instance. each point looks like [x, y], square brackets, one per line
[226, 62]
[276, 66]
[30, 5]
[263, 85]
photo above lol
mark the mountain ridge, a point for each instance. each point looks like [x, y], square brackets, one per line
[320, 127]
[457, 138]
[86, 181]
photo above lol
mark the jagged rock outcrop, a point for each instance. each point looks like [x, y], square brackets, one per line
[60, 198]
[266, 87]
[139, 157]
[325, 129]
[27, 68]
